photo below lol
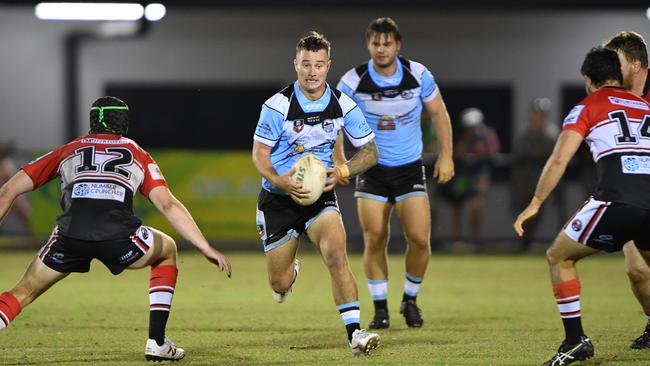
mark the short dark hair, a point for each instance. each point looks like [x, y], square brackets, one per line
[632, 45]
[109, 115]
[314, 42]
[383, 25]
[601, 65]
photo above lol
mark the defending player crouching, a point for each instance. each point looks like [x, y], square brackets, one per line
[100, 173]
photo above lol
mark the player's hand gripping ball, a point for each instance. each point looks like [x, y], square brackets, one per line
[310, 173]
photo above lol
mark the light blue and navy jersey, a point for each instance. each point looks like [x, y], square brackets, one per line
[293, 125]
[392, 106]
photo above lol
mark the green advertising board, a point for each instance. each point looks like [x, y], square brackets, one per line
[218, 188]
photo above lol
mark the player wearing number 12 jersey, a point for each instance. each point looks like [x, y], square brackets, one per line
[100, 173]
[616, 125]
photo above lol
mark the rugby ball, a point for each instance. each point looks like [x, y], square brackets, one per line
[310, 173]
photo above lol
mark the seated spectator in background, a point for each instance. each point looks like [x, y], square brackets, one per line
[531, 149]
[21, 206]
[473, 152]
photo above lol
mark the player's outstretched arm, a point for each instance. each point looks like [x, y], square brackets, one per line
[444, 168]
[364, 159]
[262, 161]
[18, 184]
[566, 146]
[181, 219]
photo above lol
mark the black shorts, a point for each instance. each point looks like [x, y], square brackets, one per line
[65, 254]
[607, 226]
[279, 218]
[392, 184]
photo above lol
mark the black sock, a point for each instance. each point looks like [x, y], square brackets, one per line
[157, 324]
[381, 305]
[351, 328]
[573, 329]
[406, 298]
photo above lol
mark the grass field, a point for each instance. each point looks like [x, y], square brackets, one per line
[479, 310]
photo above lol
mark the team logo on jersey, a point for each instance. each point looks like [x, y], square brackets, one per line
[407, 94]
[81, 190]
[385, 123]
[328, 125]
[298, 125]
[573, 115]
[576, 225]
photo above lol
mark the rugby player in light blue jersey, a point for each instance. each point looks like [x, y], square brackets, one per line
[305, 118]
[391, 91]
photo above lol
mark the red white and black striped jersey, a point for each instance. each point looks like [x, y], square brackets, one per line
[616, 125]
[100, 174]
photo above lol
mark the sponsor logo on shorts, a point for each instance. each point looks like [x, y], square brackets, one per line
[127, 256]
[606, 237]
[576, 225]
[99, 191]
[57, 257]
[260, 230]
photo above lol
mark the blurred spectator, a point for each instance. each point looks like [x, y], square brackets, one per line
[21, 207]
[473, 152]
[531, 149]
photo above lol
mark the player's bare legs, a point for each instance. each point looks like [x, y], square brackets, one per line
[638, 272]
[280, 266]
[163, 252]
[36, 280]
[374, 217]
[562, 257]
[162, 284]
[414, 214]
[328, 235]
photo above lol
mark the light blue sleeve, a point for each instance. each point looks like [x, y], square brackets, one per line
[428, 85]
[356, 127]
[269, 126]
[343, 87]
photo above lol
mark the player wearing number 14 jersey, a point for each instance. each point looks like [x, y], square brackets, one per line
[616, 125]
[100, 173]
